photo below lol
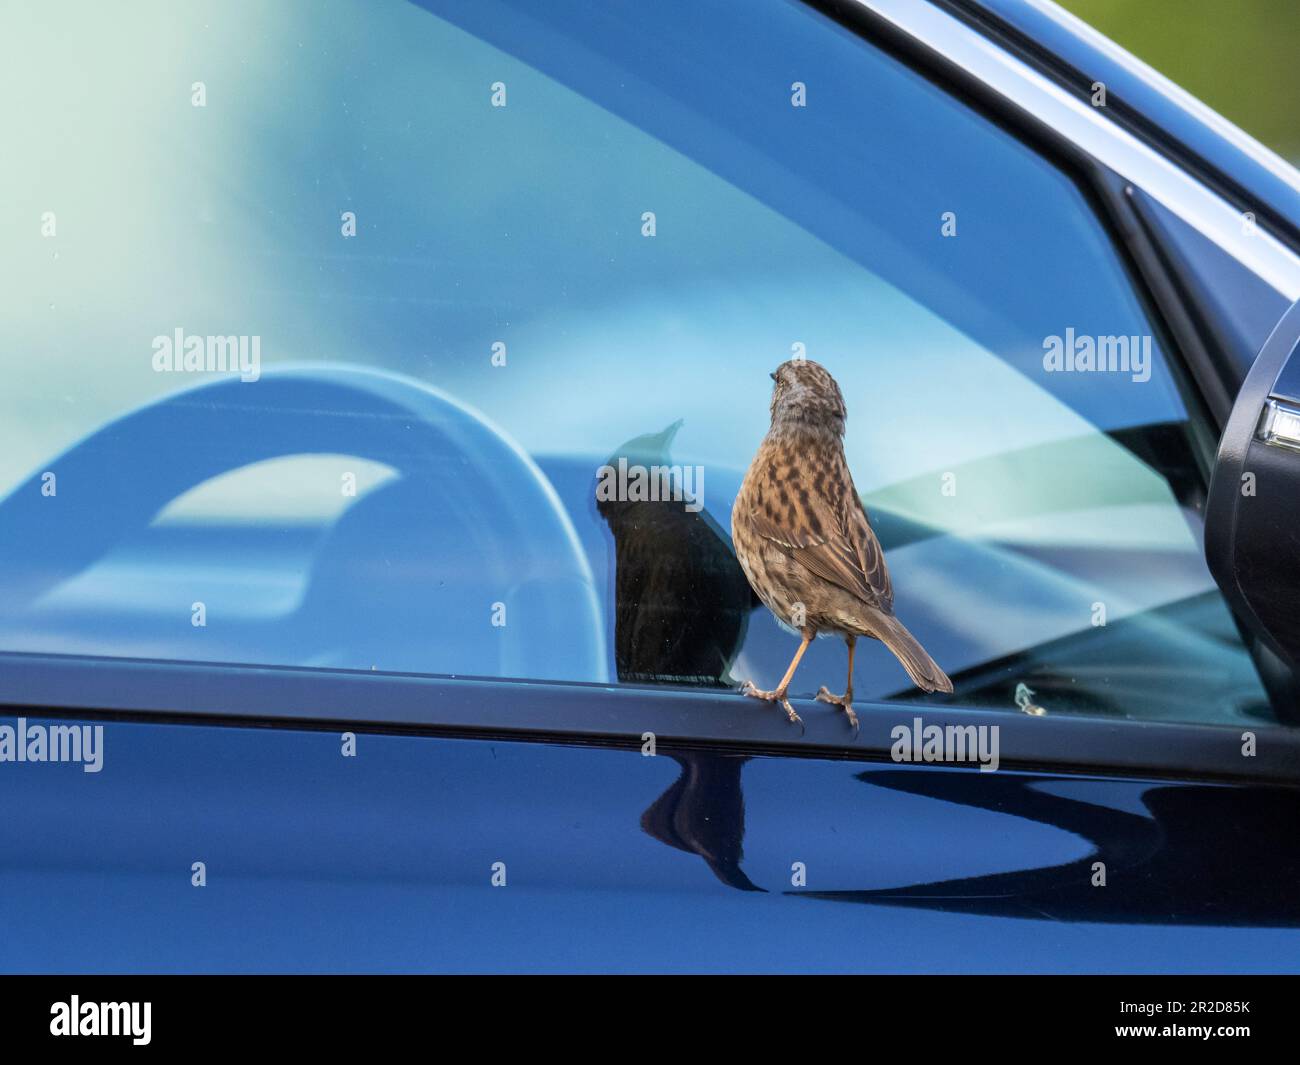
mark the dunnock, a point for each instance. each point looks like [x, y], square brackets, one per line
[804, 541]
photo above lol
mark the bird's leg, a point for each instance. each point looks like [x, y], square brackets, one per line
[845, 701]
[778, 694]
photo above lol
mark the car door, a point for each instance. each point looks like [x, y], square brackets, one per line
[324, 650]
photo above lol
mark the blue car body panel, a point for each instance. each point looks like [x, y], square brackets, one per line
[615, 861]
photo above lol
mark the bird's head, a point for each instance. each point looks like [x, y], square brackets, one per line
[805, 392]
[649, 449]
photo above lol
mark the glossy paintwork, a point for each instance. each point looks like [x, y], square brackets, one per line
[616, 861]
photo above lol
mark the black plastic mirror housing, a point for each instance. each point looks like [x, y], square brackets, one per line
[1252, 519]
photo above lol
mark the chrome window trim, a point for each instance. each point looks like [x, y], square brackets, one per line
[338, 700]
[1172, 91]
[1095, 135]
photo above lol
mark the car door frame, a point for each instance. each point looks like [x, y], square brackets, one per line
[1110, 161]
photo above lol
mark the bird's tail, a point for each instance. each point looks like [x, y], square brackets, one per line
[923, 669]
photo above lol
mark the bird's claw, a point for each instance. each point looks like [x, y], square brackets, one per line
[842, 701]
[755, 692]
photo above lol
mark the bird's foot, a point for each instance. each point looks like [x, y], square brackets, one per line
[754, 692]
[844, 702]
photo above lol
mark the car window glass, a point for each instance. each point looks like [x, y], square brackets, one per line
[459, 262]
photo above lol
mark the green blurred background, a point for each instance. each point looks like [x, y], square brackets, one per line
[1241, 57]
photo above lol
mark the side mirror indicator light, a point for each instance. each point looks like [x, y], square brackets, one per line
[1280, 425]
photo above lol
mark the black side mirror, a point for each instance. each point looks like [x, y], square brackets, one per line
[1252, 517]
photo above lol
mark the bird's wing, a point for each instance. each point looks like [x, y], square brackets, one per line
[834, 540]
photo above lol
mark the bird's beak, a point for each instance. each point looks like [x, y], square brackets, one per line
[671, 431]
[772, 375]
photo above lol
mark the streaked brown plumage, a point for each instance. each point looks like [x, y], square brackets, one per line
[804, 540]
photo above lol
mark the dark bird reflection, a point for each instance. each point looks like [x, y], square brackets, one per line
[704, 813]
[681, 606]
[681, 600]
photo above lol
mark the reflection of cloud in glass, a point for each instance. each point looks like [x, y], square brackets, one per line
[709, 363]
[225, 219]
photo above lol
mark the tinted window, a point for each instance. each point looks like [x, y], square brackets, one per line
[472, 257]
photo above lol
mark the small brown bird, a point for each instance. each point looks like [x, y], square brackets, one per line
[804, 540]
